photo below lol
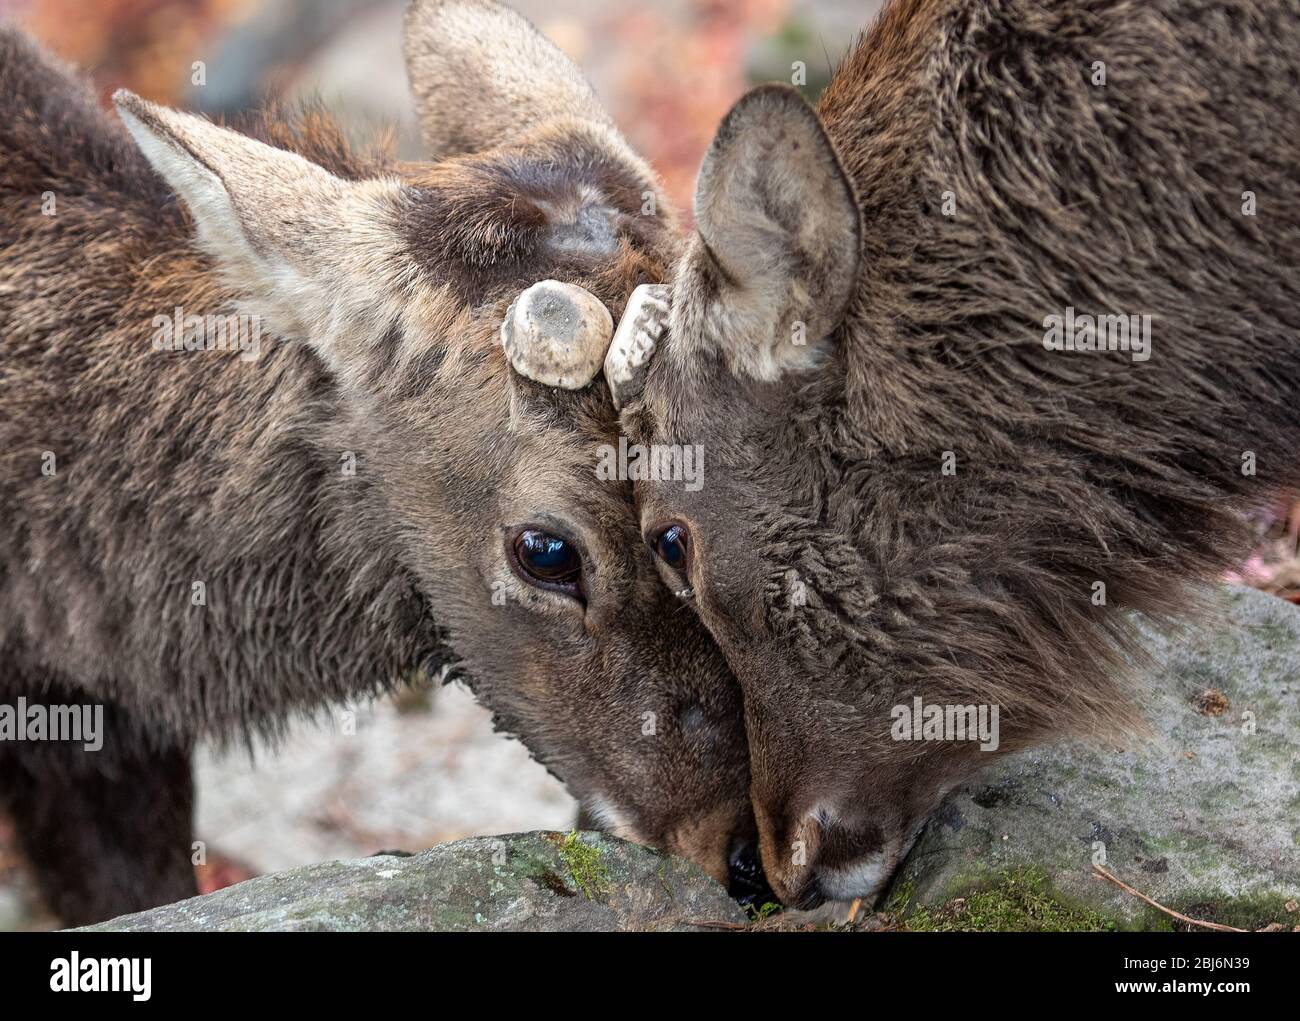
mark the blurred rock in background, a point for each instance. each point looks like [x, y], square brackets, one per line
[421, 768]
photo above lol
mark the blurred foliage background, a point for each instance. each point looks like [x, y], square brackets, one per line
[667, 70]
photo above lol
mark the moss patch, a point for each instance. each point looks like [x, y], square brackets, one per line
[760, 912]
[586, 867]
[899, 897]
[1249, 913]
[1020, 901]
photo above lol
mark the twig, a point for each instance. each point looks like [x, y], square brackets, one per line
[853, 909]
[1103, 874]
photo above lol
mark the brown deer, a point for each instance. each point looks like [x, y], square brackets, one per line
[208, 536]
[947, 454]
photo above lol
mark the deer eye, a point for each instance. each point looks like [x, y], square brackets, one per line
[670, 545]
[547, 561]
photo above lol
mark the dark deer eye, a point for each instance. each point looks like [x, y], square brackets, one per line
[547, 560]
[670, 546]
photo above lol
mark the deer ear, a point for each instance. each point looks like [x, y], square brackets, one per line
[773, 268]
[282, 229]
[482, 76]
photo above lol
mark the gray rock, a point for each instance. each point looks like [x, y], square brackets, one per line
[1204, 817]
[525, 882]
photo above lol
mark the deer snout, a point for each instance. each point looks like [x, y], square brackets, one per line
[723, 844]
[821, 857]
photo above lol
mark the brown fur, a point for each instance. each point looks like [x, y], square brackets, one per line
[176, 467]
[826, 482]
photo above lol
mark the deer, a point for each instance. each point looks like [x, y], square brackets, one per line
[993, 351]
[381, 460]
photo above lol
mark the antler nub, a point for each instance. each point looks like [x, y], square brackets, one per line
[556, 334]
[643, 323]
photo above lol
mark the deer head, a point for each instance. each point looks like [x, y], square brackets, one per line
[460, 311]
[857, 586]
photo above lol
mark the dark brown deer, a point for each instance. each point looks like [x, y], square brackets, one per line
[940, 465]
[208, 543]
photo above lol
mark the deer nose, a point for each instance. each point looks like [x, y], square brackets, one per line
[745, 879]
[821, 857]
[842, 861]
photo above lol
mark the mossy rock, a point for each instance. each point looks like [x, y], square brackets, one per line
[524, 882]
[1204, 817]
[1017, 901]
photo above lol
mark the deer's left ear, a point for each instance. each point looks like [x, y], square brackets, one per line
[307, 246]
[775, 263]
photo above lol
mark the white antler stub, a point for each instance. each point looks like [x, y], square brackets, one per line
[556, 334]
[643, 323]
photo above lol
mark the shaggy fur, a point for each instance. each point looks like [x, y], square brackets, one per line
[178, 467]
[840, 569]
